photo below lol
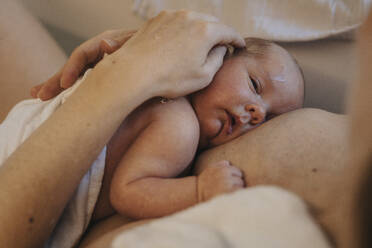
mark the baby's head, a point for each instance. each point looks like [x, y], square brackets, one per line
[253, 85]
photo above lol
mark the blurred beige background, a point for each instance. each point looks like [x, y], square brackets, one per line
[328, 64]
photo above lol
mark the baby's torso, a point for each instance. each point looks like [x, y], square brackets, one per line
[124, 137]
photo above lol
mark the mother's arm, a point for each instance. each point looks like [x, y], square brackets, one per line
[38, 179]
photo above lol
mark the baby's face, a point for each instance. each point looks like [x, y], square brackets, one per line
[244, 93]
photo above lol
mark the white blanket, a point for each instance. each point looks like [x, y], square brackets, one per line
[259, 217]
[22, 120]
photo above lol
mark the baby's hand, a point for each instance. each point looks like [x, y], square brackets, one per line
[217, 179]
[84, 56]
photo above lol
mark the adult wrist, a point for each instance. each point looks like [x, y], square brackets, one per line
[124, 76]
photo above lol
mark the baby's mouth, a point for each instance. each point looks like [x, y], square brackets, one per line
[228, 125]
[230, 122]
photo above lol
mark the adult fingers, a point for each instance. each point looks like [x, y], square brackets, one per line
[124, 37]
[223, 34]
[90, 53]
[49, 91]
[110, 45]
[50, 88]
[214, 60]
[80, 58]
[35, 90]
[52, 83]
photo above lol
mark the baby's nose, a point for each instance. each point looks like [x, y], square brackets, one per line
[257, 114]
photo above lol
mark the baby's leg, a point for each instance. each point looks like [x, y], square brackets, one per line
[28, 54]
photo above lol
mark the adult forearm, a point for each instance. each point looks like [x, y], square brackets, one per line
[39, 178]
[46, 169]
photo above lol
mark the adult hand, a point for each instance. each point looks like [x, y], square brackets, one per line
[178, 52]
[84, 56]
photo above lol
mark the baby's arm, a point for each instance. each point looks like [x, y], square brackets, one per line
[144, 183]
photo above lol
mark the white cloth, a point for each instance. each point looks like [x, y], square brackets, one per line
[284, 20]
[22, 120]
[259, 217]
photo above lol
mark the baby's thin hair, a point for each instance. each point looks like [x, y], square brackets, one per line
[257, 47]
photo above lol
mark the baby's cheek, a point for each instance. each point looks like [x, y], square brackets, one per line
[210, 128]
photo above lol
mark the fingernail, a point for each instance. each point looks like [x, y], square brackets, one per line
[66, 79]
[110, 42]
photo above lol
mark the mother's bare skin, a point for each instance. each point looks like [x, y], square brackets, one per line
[312, 133]
[302, 151]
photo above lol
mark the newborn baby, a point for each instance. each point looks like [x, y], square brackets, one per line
[158, 141]
[144, 171]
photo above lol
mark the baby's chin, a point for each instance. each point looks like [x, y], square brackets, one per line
[205, 143]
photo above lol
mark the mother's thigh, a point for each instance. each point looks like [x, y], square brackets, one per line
[28, 54]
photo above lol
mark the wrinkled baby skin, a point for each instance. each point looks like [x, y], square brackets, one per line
[245, 92]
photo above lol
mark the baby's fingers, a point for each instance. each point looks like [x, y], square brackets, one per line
[238, 183]
[236, 172]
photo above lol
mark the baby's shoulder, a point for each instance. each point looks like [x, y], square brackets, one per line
[176, 107]
[174, 114]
